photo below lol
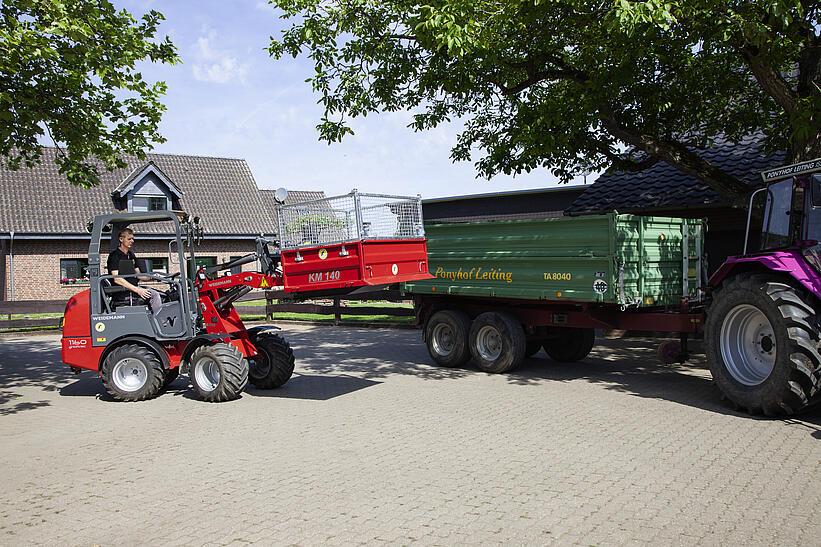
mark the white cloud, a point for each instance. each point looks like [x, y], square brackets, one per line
[216, 65]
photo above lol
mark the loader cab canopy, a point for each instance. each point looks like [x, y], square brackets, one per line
[180, 232]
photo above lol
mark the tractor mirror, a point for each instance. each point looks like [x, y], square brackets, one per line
[280, 195]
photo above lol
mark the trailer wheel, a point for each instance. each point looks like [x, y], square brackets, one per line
[532, 347]
[570, 345]
[274, 363]
[132, 373]
[218, 372]
[761, 339]
[446, 335]
[497, 342]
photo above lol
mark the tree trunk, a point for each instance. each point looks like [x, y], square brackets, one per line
[809, 80]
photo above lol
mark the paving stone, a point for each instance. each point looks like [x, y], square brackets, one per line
[370, 443]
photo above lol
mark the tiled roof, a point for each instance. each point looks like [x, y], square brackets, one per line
[663, 186]
[294, 196]
[221, 191]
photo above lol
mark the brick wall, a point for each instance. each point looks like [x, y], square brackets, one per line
[37, 263]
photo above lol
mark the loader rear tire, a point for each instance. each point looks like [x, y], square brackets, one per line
[170, 375]
[497, 342]
[132, 372]
[274, 363]
[570, 345]
[761, 340]
[446, 336]
[218, 372]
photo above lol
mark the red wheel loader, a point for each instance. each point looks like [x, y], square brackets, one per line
[327, 247]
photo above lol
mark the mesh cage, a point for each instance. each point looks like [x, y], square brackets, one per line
[350, 217]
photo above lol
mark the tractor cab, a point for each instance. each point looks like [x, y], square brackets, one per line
[114, 310]
[791, 208]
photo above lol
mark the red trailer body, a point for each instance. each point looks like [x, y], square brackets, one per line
[354, 264]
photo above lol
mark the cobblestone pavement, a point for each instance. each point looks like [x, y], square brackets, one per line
[368, 443]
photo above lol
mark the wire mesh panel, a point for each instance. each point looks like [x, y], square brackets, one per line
[350, 217]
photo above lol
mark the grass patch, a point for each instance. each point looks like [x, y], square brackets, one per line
[260, 315]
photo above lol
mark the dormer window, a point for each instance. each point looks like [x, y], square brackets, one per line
[157, 204]
[147, 189]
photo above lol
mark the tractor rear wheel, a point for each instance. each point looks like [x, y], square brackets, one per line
[761, 338]
[446, 335]
[497, 342]
[132, 373]
[274, 362]
[218, 372]
[570, 345]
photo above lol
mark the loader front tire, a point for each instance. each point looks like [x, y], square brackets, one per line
[274, 362]
[218, 372]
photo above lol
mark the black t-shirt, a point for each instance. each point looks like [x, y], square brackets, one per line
[114, 263]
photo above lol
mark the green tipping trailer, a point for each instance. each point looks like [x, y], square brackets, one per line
[557, 279]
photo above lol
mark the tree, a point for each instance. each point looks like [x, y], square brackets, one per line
[68, 69]
[567, 84]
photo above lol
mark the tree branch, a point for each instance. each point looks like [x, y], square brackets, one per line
[624, 163]
[536, 74]
[770, 80]
[679, 156]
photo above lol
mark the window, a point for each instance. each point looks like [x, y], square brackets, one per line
[73, 270]
[159, 265]
[157, 204]
[206, 261]
[777, 215]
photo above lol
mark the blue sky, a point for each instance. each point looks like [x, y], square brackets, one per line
[228, 98]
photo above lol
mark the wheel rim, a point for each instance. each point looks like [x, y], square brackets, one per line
[443, 340]
[129, 374]
[489, 343]
[748, 345]
[207, 374]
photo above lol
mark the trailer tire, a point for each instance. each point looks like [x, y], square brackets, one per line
[446, 336]
[132, 372]
[532, 347]
[572, 345]
[761, 340]
[497, 342]
[274, 363]
[218, 372]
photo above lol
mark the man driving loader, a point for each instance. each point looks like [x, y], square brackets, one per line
[123, 258]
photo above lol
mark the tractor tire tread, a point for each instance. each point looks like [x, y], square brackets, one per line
[801, 358]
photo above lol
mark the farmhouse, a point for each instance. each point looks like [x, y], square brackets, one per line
[43, 237]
